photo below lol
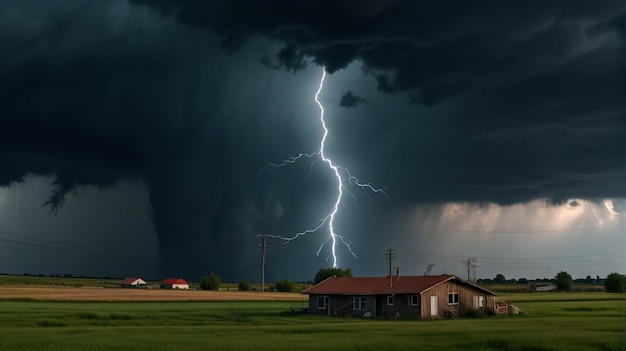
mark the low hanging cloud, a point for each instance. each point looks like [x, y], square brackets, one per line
[350, 100]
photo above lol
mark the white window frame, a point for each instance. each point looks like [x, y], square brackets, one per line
[455, 298]
[414, 300]
[324, 300]
[390, 300]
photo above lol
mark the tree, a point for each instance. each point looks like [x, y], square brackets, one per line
[589, 280]
[499, 279]
[326, 273]
[614, 283]
[564, 281]
[244, 285]
[285, 285]
[210, 282]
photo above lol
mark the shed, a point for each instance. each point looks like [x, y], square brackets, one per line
[133, 283]
[174, 283]
[410, 296]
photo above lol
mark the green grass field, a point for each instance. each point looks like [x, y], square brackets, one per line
[555, 321]
[24, 280]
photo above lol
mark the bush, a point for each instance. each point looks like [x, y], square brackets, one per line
[210, 282]
[614, 283]
[499, 279]
[244, 285]
[285, 285]
[564, 281]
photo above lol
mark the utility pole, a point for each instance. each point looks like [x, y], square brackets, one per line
[390, 256]
[474, 273]
[263, 246]
[469, 263]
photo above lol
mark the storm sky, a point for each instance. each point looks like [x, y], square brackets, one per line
[134, 136]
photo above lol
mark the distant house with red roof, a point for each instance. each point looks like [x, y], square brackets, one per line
[174, 283]
[434, 296]
[133, 283]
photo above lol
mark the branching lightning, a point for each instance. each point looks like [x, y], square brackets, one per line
[334, 238]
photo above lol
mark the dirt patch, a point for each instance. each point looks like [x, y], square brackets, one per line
[119, 294]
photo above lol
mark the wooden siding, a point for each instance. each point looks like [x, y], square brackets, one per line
[401, 306]
[376, 305]
[444, 309]
[338, 302]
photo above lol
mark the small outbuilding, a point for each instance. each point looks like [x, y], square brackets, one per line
[174, 283]
[133, 283]
[409, 296]
[542, 286]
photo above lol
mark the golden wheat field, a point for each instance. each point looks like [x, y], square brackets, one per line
[120, 294]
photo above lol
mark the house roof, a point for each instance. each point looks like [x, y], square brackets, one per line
[129, 281]
[380, 285]
[169, 281]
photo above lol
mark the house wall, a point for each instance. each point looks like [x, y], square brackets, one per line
[401, 306]
[444, 309]
[342, 305]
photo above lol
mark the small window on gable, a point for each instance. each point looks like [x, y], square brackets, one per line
[390, 300]
[453, 298]
[414, 300]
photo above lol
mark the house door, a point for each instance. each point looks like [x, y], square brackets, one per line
[433, 306]
[379, 305]
[479, 302]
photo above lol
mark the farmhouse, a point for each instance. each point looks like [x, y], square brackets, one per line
[411, 296]
[174, 283]
[133, 283]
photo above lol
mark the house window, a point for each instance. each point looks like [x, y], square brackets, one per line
[358, 303]
[390, 300]
[322, 302]
[453, 298]
[481, 301]
[414, 300]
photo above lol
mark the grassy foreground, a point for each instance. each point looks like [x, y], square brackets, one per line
[572, 321]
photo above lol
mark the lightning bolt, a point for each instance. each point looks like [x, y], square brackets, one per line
[334, 238]
[331, 217]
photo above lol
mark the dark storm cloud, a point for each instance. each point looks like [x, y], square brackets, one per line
[541, 84]
[94, 92]
[350, 100]
[433, 50]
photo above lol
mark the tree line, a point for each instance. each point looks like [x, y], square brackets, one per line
[212, 281]
[614, 282]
